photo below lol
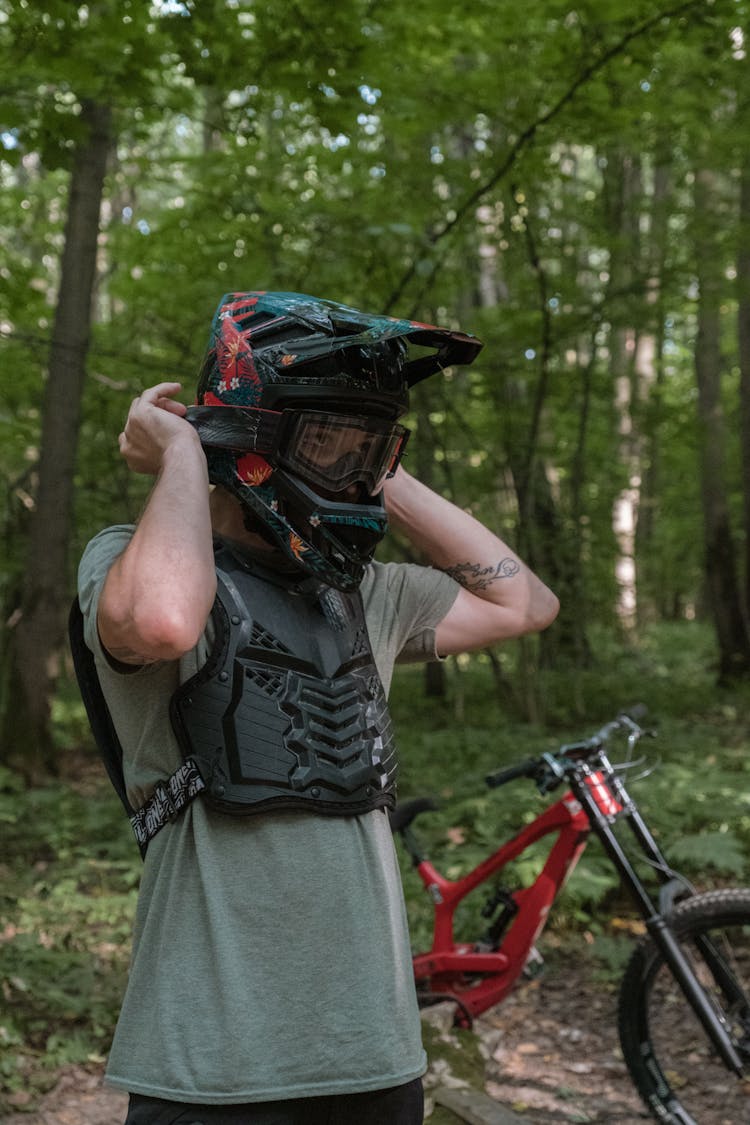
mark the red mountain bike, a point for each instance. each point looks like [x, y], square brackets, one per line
[684, 1008]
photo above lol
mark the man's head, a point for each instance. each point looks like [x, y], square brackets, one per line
[314, 390]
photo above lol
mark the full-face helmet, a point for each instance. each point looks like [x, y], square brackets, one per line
[298, 407]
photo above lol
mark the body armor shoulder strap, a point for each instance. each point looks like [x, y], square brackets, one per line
[170, 796]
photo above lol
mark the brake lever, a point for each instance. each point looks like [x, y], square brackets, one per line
[552, 774]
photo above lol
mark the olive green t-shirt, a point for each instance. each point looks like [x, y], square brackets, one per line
[270, 955]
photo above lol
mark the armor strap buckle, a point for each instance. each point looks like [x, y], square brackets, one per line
[168, 799]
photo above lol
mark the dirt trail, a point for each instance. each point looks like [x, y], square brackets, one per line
[554, 1055]
[78, 1098]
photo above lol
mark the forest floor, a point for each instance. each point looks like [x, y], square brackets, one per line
[549, 1053]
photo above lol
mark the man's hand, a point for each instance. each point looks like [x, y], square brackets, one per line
[500, 597]
[154, 423]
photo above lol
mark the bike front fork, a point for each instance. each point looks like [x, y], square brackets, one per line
[656, 919]
[683, 972]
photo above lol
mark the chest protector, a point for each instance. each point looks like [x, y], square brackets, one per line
[289, 711]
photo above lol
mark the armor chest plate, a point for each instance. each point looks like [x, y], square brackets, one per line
[289, 711]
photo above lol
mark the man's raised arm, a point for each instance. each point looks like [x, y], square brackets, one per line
[500, 597]
[158, 594]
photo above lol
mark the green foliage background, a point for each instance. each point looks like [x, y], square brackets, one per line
[526, 173]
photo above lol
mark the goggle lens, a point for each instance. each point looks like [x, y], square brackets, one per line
[338, 450]
[331, 450]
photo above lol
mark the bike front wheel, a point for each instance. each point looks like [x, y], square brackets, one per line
[672, 1062]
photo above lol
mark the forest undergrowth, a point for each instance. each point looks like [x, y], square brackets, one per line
[70, 869]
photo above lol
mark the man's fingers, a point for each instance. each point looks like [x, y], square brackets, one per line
[171, 407]
[160, 390]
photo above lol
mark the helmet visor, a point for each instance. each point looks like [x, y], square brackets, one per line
[336, 450]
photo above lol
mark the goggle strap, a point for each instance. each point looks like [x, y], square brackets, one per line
[398, 454]
[245, 429]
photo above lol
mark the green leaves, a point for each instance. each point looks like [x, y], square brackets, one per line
[721, 851]
[70, 873]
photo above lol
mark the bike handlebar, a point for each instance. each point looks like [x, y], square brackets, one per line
[541, 769]
[626, 720]
[523, 769]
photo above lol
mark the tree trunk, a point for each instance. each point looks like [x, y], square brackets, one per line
[39, 633]
[721, 574]
[743, 333]
[549, 542]
[655, 599]
[623, 191]
[572, 556]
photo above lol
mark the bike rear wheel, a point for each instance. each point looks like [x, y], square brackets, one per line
[670, 1058]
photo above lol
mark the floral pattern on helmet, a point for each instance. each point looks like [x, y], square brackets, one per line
[297, 545]
[233, 379]
[253, 469]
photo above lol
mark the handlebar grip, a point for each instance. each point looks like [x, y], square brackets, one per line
[523, 769]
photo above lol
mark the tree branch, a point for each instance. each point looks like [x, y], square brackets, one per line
[523, 140]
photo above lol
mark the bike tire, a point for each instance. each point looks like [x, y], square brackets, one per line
[671, 1061]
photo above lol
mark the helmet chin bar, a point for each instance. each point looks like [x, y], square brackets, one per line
[342, 537]
[328, 539]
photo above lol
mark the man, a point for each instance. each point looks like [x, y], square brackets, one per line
[244, 642]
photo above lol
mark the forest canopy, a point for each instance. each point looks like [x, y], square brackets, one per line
[570, 182]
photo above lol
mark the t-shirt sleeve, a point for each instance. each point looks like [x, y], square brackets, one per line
[96, 560]
[424, 596]
[415, 600]
[98, 557]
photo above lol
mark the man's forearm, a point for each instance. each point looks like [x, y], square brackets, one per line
[474, 556]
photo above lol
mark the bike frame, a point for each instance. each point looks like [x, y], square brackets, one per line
[450, 962]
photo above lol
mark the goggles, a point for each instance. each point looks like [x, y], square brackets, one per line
[330, 450]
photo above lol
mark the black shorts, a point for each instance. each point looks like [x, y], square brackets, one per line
[398, 1105]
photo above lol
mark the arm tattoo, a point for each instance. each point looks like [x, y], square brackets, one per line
[475, 577]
